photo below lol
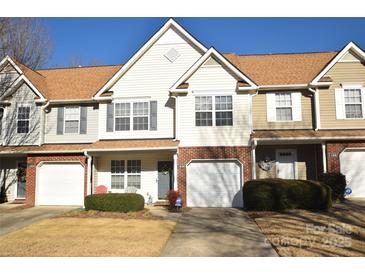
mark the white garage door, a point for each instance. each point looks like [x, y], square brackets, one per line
[353, 166]
[60, 184]
[214, 184]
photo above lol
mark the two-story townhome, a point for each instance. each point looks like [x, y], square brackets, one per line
[180, 116]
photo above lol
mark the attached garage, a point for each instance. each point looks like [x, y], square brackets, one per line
[352, 164]
[214, 183]
[60, 183]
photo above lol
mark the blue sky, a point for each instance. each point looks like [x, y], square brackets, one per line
[115, 40]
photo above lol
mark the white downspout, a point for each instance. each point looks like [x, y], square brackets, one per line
[316, 108]
[175, 171]
[88, 176]
[43, 123]
[250, 118]
[176, 117]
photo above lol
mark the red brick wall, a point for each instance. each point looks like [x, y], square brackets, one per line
[185, 154]
[32, 163]
[334, 150]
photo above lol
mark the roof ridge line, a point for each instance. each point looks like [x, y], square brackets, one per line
[280, 53]
[96, 66]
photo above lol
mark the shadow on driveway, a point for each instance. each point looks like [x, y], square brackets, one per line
[217, 232]
[14, 218]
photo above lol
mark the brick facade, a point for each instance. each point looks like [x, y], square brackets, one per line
[186, 154]
[334, 150]
[32, 163]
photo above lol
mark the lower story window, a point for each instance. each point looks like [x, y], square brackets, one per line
[120, 174]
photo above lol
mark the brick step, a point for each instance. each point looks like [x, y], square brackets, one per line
[161, 203]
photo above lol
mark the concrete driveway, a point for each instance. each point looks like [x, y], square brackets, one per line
[217, 232]
[15, 217]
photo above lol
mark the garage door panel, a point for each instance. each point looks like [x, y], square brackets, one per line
[60, 184]
[353, 167]
[214, 184]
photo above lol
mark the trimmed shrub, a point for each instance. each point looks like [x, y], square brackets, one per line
[337, 182]
[119, 202]
[279, 194]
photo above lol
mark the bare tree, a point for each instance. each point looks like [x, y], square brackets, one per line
[26, 40]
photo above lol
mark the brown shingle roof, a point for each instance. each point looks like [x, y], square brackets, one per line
[76, 83]
[105, 144]
[284, 134]
[281, 69]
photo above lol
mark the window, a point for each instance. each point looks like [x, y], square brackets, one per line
[223, 114]
[220, 111]
[134, 173]
[284, 108]
[203, 111]
[353, 103]
[122, 116]
[120, 174]
[140, 116]
[23, 119]
[72, 119]
[117, 170]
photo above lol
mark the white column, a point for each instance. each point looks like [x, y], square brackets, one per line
[324, 157]
[175, 171]
[253, 157]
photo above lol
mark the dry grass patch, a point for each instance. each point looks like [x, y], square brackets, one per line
[88, 237]
[143, 214]
[338, 232]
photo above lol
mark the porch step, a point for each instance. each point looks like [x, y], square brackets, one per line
[161, 203]
[20, 201]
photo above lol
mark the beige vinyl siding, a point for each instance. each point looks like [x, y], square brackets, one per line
[341, 73]
[91, 133]
[150, 78]
[213, 81]
[24, 96]
[349, 57]
[149, 174]
[259, 113]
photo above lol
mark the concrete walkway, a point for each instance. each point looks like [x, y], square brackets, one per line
[15, 217]
[217, 232]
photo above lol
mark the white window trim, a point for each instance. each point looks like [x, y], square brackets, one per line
[64, 120]
[362, 96]
[148, 116]
[125, 173]
[213, 110]
[17, 119]
[291, 106]
[131, 113]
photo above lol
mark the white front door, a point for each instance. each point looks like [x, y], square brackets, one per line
[285, 163]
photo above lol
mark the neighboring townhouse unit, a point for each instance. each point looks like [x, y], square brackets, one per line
[181, 116]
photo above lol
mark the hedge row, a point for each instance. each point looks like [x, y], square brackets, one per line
[280, 194]
[120, 202]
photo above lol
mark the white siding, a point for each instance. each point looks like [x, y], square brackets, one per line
[149, 174]
[150, 78]
[90, 136]
[24, 96]
[213, 80]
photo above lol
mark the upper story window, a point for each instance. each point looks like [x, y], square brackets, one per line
[353, 103]
[23, 119]
[72, 119]
[140, 116]
[122, 116]
[215, 110]
[120, 174]
[284, 107]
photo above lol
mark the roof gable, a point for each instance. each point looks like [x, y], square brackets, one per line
[211, 58]
[168, 25]
[350, 47]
